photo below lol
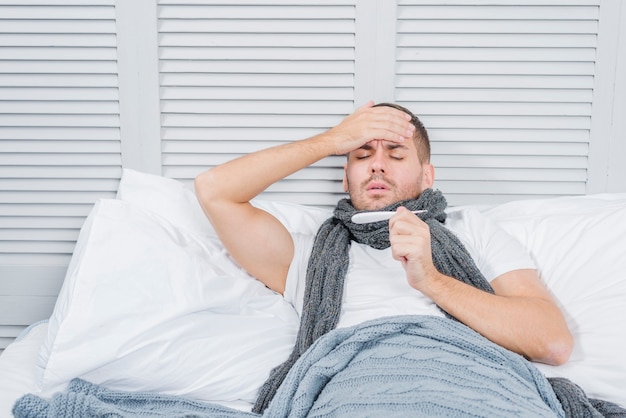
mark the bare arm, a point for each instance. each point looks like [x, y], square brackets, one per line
[520, 316]
[255, 239]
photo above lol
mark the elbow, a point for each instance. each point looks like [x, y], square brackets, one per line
[207, 193]
[559, 356]
[557, 351]
[201, 180]
[203, 186]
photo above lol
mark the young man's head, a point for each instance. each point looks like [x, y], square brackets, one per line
[381, 172]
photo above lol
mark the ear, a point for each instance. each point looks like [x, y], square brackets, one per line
[345, 178]
[428, 175]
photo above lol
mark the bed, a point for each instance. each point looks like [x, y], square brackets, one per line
[152, 302]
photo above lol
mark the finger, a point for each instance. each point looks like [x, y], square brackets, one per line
[366, 105]
[370, 123]
[407, 220]
[399, 256]
[396, 122]
[394, 135]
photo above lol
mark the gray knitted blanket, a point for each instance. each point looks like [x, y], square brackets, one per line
[328, 265]
[393, 367]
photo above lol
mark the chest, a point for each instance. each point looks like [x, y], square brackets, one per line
[376, 286]
[374, 274]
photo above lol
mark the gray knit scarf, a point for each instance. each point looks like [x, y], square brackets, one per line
[327, 269]
[328, 265]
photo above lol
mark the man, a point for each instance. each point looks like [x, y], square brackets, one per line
[388, 161]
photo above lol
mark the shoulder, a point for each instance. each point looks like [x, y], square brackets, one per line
[473, 228]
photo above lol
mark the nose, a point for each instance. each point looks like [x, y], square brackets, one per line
[378, 159]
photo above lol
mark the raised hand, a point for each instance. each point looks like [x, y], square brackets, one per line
[368, 123]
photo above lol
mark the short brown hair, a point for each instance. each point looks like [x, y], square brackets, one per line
[422, 142]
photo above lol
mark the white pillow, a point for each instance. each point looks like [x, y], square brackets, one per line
[177, 202]
[150, 306]
[579, 245]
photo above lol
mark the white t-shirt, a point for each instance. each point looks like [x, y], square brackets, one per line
[376, 285]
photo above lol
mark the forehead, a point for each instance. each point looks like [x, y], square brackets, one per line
[388, 145]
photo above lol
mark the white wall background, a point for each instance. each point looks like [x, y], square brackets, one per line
[522, 99]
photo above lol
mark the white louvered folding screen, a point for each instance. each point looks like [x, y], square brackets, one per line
[59, 143]
[241, 76]
[505, 88]
[508, 90]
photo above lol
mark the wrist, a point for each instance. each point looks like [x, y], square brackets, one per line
[326, 143]
[434, 284]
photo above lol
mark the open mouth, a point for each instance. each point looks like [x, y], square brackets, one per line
[377, 186]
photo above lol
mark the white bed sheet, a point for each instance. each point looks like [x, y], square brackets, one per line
[18, 367]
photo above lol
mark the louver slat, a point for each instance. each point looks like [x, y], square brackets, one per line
[59, 144]
[241, 77]
[506, 90]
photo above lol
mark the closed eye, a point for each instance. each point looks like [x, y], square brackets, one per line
[397, 151]
[362, 154]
